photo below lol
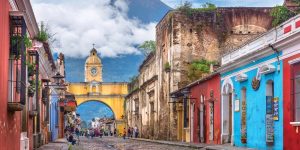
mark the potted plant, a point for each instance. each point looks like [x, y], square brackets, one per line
[31, 69]
[31, 88]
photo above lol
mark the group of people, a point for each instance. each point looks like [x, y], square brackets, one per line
[96, 132]
[69, 133]
[131, 132]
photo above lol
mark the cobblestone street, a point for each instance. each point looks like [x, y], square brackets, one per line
[112, 143]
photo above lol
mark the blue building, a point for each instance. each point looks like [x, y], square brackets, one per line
[54, 116]
[252, 88]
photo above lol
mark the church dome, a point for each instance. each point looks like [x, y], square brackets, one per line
[93, 58]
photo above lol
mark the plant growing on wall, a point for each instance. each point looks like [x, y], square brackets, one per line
[167, 67]
[199, 68]
[187, 9]
[280, 14]
[42, 35]
[31, 68]
[147, 47]
[32, 87]
[16, 42]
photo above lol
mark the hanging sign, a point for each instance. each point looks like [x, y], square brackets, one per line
[276, 108]
[243, 123]
[269, 128]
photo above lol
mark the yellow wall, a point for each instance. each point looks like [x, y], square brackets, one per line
[104, 88]
[111, 94]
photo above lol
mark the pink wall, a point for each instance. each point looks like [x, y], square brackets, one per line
[9, 122]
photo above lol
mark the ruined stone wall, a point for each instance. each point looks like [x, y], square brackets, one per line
[181, 39]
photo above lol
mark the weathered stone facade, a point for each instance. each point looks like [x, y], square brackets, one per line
[180, 39]
[142, 104]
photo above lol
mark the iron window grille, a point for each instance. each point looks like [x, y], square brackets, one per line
[17, 59]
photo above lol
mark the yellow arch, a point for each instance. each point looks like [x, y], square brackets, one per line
[116, 104]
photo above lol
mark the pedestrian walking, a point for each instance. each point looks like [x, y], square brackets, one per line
[136, 131]
[124, 133]
[115, 132]
[128, 132]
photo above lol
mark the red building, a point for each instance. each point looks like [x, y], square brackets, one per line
[201, 106]
[205, 110]
[291, 103]
[10, 125]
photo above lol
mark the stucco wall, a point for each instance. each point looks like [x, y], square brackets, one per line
[204, 88]
[256, 105]
[10, 128]
[291, 137]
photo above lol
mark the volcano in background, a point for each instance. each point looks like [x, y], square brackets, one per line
[120, 69]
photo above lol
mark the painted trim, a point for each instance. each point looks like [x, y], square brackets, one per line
[295, 123]
[13, 5]
[294, 61]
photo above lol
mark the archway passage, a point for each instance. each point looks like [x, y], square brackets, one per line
[94, 109]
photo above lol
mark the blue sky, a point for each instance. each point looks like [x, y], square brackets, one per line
[228, 3]
[92, 109]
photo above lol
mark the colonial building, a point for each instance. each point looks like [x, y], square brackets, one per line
[26, 64]
[93, 89]
[261, 89]
[183, 38]
[203, 103]
[180, 39]
[142, 104]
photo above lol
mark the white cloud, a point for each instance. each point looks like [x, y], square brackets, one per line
[78, 24]
[227, 3]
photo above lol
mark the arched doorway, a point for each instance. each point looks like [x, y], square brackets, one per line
[227, 112]
[92, 110]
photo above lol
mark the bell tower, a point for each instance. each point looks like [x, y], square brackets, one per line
[93, 67]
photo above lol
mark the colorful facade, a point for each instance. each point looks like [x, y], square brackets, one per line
[199, 110]
[291, 86]
[205, 110]
[198, 107]
[10, 123]
[252, 80]
[93, 89]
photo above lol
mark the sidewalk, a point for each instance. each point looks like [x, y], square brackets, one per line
[59, 144]
[194, 145]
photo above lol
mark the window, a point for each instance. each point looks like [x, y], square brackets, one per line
[136, 106]
[296, 91]
[17, 59]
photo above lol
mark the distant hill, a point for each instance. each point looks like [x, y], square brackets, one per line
[147, 10]
[120, 69]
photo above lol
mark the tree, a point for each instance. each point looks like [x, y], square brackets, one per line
[281, 14]
[147, 47]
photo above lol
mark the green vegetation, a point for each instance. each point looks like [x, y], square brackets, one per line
[297, 2]
[199, 68]
[281, 14]
[147, 47]
[16, 42]
[187, 9]
[167, 67]
[43, 34]
[31, 68]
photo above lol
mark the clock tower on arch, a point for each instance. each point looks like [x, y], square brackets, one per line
[93, 67]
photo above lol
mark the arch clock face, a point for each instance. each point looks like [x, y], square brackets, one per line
[93, 71]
